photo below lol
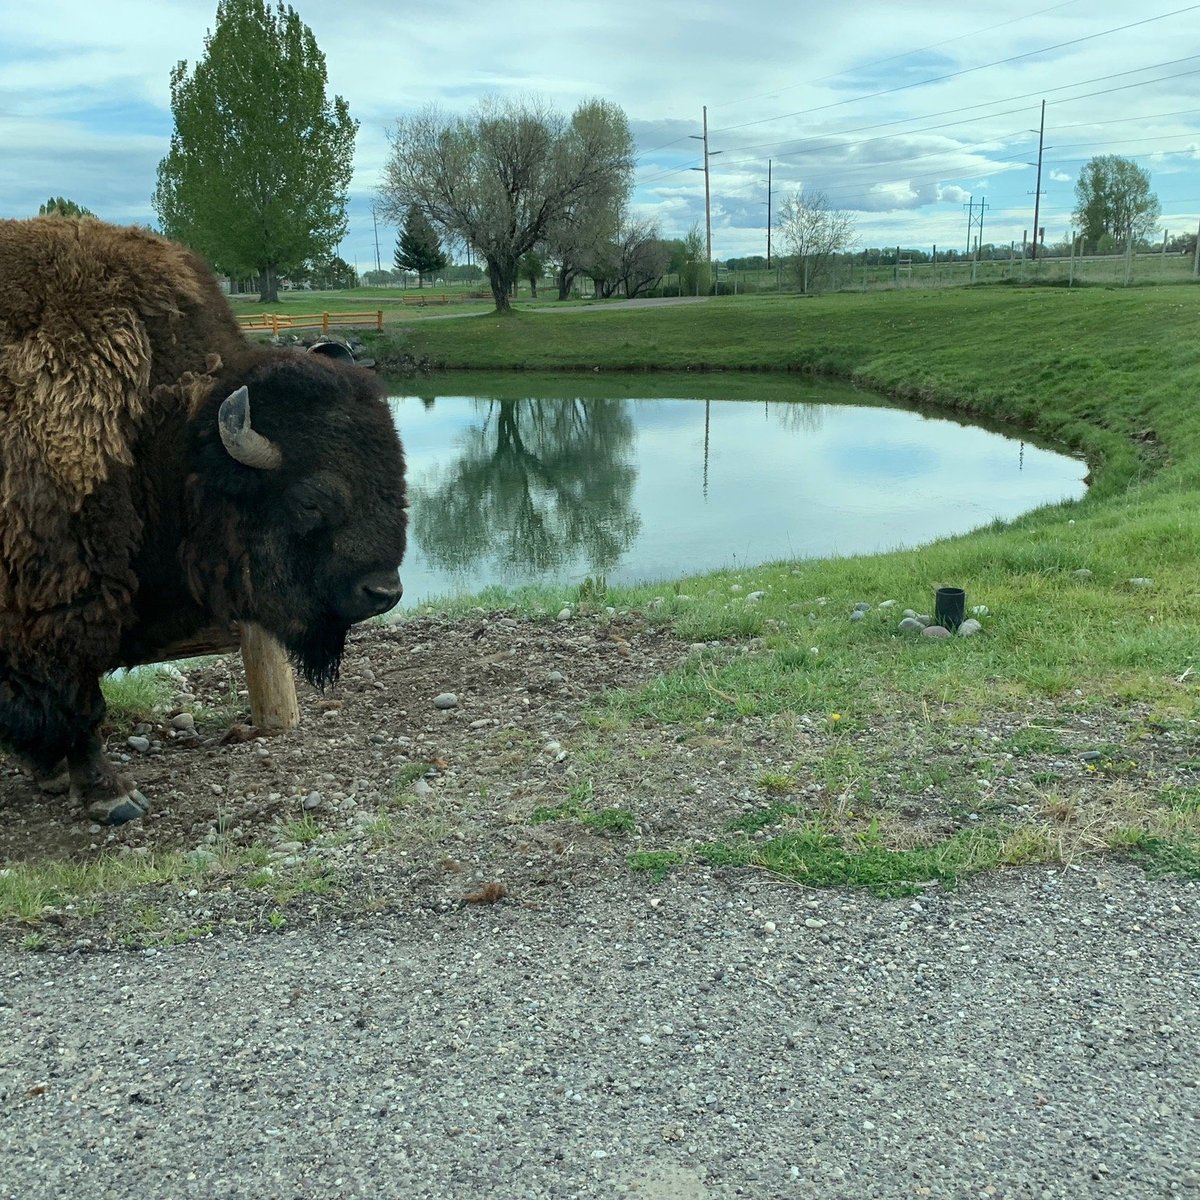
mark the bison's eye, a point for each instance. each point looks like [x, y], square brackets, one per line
[309, 514]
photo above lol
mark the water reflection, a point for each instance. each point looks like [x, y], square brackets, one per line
[514, 488]
[535, 483]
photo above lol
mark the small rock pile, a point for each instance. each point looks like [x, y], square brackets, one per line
[922, 623]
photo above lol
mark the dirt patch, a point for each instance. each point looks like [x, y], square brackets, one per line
[531, 781]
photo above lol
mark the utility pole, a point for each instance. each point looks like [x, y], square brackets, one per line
[768, 214]
[1037, 192]
[970, 207]
[707, 194]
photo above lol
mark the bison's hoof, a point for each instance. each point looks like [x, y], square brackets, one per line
[119, 810]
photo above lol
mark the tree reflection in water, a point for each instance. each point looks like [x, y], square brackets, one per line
[538, 484]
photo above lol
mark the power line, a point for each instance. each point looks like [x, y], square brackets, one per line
[879, 62]
[971, 108]
[959, 74]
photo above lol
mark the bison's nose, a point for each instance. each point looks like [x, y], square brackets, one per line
[374, 594]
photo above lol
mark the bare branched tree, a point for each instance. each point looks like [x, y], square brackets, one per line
[505, 176]
[813, 232]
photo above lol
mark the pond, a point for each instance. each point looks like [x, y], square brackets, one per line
[535, 479]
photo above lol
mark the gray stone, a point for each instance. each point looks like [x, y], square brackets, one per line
[312, 800]
[184, 721]
[1141, 581]
[862, 606]
[1082, 573]
[969, 628]
[857, 615]
[755, 597]
[564, 614]
[910, 625]
[420, 788]
[980, 610]
[909, 612]
[925, 618]
[1092, 755]
[935, 631]
[555, 677]
[138, 743]
[887, 604]
[445, 700]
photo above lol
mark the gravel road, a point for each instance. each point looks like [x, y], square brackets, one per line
[1031, 1035]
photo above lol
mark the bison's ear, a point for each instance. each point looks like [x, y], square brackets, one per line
[250, 448]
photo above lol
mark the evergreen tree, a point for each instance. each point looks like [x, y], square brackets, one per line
[260, 159]
[418, 248]
[59, 206]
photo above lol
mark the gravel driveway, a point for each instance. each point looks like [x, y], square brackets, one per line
[1034, 1034]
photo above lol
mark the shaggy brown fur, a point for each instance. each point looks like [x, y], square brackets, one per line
[81, 303]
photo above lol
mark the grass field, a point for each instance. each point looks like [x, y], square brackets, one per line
[1114, 374]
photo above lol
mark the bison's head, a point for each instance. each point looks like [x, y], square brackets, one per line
[297, 503]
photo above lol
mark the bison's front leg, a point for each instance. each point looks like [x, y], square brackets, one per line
[109, 797]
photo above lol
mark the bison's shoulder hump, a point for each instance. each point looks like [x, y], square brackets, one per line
[75, 353]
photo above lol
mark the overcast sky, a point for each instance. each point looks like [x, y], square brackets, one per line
[899, 111]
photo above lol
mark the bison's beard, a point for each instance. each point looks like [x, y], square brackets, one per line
[317, 651]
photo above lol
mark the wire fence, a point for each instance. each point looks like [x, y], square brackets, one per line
[845, 275]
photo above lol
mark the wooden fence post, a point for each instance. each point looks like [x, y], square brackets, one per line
[379, 320]
[269, 680]
[324, 322]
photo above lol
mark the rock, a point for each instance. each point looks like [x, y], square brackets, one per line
[1141, 581]
[909, 612]
[935, 631]
[445, 700]
[420, 787]
[564, 614]
[910, 625]
[862, 606]
[1092, 755]
[735, 587]
[138, 743]
[857, 615]
[887, 604]
[980, 610]
[755, 597]
[1082, 573]
[184, 721]
[969, 628]
[482, 723]
[924, 618]
[311, 801]
[556, 677]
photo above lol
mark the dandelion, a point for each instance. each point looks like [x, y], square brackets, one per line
[835, 716]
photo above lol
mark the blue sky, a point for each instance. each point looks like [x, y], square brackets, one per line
[850, 98]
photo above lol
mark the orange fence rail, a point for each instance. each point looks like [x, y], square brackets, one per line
[277, 322]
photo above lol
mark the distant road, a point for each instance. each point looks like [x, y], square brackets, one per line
[599, 306]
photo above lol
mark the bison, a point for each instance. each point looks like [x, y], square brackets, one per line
[162, 479]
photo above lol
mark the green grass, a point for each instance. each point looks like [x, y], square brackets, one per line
[133, 696]
[1111, 374]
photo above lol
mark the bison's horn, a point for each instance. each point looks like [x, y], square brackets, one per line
[243, 443]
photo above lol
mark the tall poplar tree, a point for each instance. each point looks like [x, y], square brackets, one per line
[1113, 196]
[418, 248]
[261, 158]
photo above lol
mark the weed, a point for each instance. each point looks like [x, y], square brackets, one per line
[656, 862]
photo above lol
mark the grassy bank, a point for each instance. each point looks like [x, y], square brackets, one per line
[1114, 375]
